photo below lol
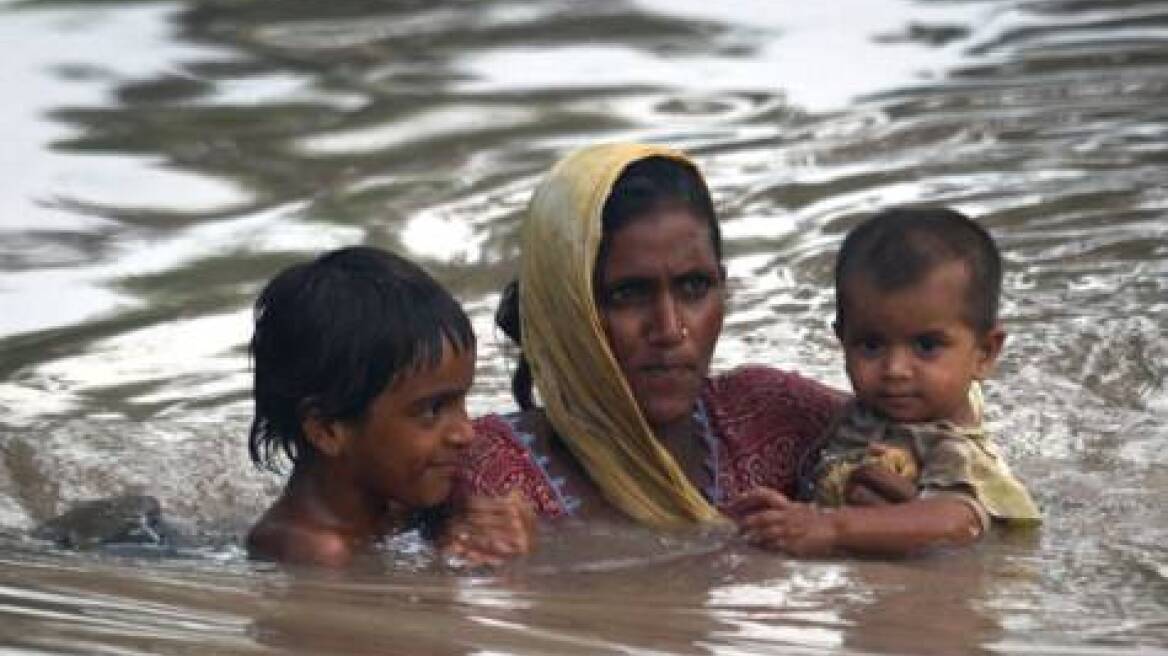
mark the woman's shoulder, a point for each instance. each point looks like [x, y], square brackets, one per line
[754, 386]
[766, 419]
[493, 427]
[515, 432]
[505, 456]
[762, 404]
[498, 438]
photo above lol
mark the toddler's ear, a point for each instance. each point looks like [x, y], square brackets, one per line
[991, 347]
[327, 436]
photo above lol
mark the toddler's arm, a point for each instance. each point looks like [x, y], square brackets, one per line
[873, 485]
[770, 520]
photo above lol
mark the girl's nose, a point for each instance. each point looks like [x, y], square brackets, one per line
[461, 432]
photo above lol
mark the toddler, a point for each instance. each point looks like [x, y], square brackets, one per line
[916, 313]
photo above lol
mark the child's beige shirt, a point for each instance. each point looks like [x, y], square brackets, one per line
[946, 459]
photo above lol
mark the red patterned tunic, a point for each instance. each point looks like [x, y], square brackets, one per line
[762, 420]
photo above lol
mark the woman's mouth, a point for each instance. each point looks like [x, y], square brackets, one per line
[667, 370]
[668, 378]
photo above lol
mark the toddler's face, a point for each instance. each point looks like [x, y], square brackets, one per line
[407, 447]
[911, 354]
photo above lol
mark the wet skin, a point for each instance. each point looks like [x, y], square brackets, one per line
[660, 294]
[407, 446]
[912, 353]
[369, 473]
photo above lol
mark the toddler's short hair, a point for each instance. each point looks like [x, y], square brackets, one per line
[899, 247]
[333, 333]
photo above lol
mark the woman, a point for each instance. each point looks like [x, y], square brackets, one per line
[620, 301]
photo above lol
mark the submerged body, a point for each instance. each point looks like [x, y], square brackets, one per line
[362, 367]
[131, 519]
[755, 424]
[619, 308]
[400, 457]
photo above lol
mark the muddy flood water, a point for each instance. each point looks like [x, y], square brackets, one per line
[161, 160]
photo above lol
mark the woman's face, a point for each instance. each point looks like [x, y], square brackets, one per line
[660, 293]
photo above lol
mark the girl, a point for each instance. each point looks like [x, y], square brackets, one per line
[362, 366]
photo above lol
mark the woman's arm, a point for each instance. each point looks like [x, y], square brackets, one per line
[770, 520]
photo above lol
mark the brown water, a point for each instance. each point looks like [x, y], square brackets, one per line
[161, 160]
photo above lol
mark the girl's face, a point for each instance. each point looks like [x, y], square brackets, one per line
[911, 353]
[660, 293]
[407, 446]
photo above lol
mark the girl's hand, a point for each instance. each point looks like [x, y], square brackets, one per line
[488, 530]
[770, 520]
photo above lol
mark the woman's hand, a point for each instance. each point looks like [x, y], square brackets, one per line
[770, 520]
[488, 530]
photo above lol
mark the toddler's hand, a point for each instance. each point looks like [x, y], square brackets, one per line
[875, 484]
[488, 530]
[770, 520]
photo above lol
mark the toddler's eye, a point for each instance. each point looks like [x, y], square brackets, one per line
[927, 345]
[870, 346]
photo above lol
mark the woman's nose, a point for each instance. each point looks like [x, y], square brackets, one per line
[667, 325]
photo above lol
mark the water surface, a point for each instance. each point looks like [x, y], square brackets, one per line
[163, 159]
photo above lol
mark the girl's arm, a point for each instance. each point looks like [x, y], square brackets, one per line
[489, 530]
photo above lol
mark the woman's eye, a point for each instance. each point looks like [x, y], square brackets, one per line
[695, 286]
[625, 294]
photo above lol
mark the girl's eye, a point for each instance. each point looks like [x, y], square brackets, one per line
[431, 409]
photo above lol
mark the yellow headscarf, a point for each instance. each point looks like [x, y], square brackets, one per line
[586, 397]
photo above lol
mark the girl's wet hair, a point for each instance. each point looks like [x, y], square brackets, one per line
[647, 185]
[899, 247]
[333, 333]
